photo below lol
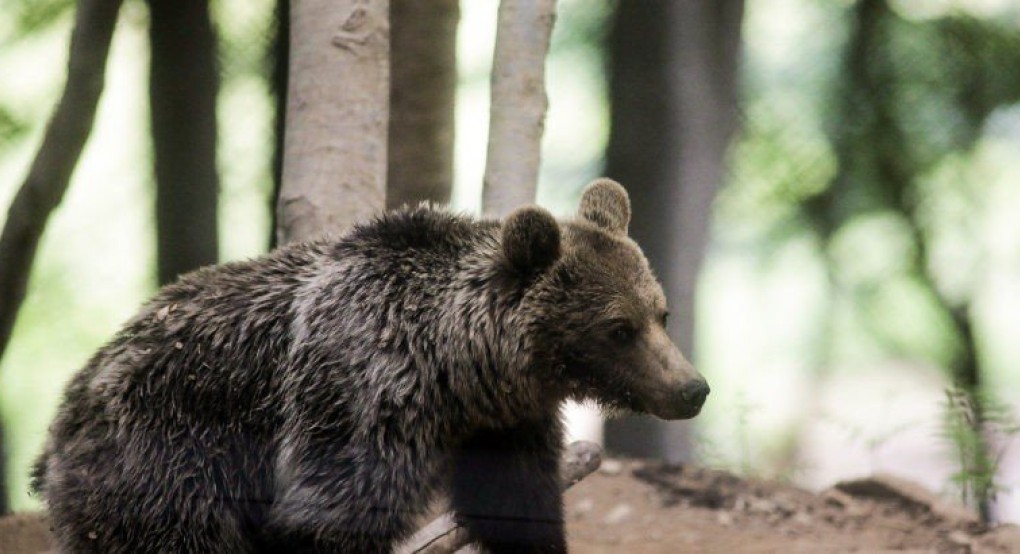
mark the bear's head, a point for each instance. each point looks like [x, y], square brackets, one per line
[597, 313]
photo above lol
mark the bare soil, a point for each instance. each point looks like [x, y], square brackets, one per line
[642, 507]
[649, 508]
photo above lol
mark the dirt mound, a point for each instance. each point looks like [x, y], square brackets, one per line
[24, 534]
[642, 507]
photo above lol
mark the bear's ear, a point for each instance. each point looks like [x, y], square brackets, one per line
[531, 239]
[606, 204]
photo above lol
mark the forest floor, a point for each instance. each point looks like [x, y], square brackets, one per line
[638, 507]
[642, 508]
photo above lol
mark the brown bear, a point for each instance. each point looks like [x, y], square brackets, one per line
[315, 399]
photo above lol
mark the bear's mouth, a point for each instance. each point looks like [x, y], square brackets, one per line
[686, 412]
[632, 405]
[626, 401]
[627, 404]
[664, 405]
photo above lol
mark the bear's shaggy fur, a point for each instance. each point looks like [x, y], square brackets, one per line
[313, 400]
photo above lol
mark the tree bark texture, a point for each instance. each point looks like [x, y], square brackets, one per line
[519, 103]
[61, 147]
[334, 170]
[422, 94]
[183, 85]
[673, 93]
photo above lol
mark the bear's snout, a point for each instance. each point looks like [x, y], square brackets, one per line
[673, 388]
[682, 401]
[694, 392]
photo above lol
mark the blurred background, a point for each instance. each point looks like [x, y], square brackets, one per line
[829, 190]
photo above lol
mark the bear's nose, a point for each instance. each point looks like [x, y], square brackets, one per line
[694, 392]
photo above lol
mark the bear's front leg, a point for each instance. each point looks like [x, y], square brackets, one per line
[506, 488]
[337, 495]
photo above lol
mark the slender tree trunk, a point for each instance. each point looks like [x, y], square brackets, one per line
[183, 84]
[280, 66]
[51, 170]
[673, 93]
[422, 94]
[519, 103]
[62, 144]
[334, 170]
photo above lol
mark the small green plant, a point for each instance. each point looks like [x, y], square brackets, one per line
[739, 454]
[979, 430]
[745, 409]
[867, 436]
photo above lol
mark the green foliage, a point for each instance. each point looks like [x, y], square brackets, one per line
[11, 127]
[871, 143]
[977, 431]
[22, 19]
[910, 97]
[780, 160]
[582, 25]
[976, 52]
[28, 17]
[737, 451]
[244, 31]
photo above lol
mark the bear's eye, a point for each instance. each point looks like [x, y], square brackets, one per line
[622, 332]
[664, 318]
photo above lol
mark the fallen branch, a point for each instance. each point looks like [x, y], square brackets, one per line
[519, 103]
[51, 170]
[442, 535]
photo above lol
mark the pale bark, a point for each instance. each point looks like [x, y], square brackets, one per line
[443, 535]
[519, 103]
[673, 95]
[334, 168]
[422, 94]
[58, 155]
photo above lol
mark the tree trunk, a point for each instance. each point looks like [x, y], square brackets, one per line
[279, 54]
[51, 170]
[673, 94]
[422, 94]
[62, 144]
[519, 103]
[334, 170]
[183, 83]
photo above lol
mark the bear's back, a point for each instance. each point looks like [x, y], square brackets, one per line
[209, 344]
